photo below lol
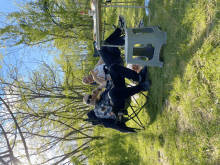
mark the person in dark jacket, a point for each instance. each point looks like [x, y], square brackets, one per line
[115, 94]
[108, 123]
[108, 55]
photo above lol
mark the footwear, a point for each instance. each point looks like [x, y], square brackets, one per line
[141, 24]
[122, 23]
[143, 75]
[145, 85]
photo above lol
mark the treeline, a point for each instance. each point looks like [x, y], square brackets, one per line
[51, 24]
[41, 115]
[44, 21]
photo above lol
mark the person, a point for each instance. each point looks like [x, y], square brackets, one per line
[111, 55]
[97, 75]
[108, 55]
[112, 99]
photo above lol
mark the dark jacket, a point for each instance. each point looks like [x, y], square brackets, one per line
[108, 123]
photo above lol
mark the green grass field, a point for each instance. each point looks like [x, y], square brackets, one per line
[182, 115]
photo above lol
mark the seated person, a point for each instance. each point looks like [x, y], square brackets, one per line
[112, 99]
[97, 75]
[108, 55]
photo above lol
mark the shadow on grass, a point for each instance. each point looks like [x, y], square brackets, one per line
[175, 60]
[161, 139]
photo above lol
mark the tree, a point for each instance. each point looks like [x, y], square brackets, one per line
[11, 156]
[46, 112]
[44, 21]
[43, 108]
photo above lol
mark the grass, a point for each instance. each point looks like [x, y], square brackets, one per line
[182, 115]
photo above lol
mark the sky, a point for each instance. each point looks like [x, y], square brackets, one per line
[14, 55]
[7, 6]
[27, 55]
[146, 4]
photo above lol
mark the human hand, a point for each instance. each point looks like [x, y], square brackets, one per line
[135, 67]
[96, 91]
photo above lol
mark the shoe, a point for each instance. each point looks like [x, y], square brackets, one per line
[143, 75]
[122, 23]
[145, 85]
[141, 24]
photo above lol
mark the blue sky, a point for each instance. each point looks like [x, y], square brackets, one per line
[13, 55]
[7, 6]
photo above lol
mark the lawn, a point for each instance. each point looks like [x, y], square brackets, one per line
[182, 115]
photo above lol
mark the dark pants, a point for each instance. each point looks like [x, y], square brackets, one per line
[120, 92]
[111, 55]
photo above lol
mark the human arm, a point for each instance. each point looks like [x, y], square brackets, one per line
[99, 88]
[99, 80]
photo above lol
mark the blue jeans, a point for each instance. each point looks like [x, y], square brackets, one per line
[111, 55]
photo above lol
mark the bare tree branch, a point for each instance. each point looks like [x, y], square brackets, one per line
[20, 132]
